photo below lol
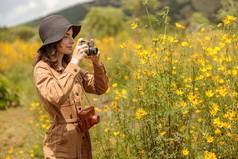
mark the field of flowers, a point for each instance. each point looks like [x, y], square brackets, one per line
[172, 94]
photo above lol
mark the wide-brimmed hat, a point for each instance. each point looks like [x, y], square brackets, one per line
[53, 28]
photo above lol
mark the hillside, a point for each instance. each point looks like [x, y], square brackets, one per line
[179, 9]
[74, 13]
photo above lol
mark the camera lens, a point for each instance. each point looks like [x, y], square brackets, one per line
[92, 51]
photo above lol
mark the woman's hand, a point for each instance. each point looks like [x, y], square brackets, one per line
[79, 52]
[94, 58]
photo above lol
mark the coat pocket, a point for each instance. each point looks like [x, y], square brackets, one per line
[55, 135]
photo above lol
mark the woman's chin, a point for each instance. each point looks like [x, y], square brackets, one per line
[68, 52]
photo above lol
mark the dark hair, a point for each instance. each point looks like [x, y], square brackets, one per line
[49, 55]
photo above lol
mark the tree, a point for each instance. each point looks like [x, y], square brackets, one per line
[228, 7]
[104, 21]
[115, 3]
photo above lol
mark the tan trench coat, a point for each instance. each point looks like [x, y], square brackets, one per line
[62, 95]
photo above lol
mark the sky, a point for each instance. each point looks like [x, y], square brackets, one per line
[14, 12]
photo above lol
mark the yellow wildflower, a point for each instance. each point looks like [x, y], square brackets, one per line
[20, 152]
[229, 19]
[109, 58]
[219, 25]
[179, 26]
[184, 44]
[140, 113]
[202, 29]
[221, 81]
[222, 91]
[185, 152]
[220, 124]
[98, 109]
[209, 155]
[123, 92]
[10, 151]
[230, 115]
[105, 108]
[134, 25]
[138, 46]
[214, 109]
[179, 92]
[208, 38]
[199, 120]
[123, 45]
[162, 133]
[172, 39]
[106, 130]
[183, 104]
[185, 112]
[209, 93]
[115, 106]
[116, 133]
[210, 139]
[217, 131]
[194, 99]
[45, 126]
[114, 85]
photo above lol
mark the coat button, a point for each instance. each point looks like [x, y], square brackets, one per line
[77, 94]
[75, 70]
[79, 108]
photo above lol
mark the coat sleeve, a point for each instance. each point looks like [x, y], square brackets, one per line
[96, 83]
[55, 89]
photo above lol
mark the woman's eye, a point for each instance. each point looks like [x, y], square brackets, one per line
[67, 37]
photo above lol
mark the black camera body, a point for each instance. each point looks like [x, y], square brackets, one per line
[92, 49]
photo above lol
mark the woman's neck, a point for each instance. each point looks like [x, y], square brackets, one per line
[60, 59]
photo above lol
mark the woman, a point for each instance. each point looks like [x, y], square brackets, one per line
[60, 84]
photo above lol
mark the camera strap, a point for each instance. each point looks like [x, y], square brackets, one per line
[88, 101]
[86, 97]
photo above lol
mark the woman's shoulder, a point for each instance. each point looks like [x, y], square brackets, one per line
[41, 65]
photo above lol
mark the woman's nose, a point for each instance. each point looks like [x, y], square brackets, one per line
[71, 40]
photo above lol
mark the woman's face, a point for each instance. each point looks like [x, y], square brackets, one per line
[65, 46]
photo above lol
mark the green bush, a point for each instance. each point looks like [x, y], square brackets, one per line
[104, 21]
[198, 19]
[228, 7]
[8, 98]
[22, 32]
[5, 34]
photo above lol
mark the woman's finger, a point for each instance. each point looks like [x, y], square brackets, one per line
[98, 54]
[83, 46]
[79, 41]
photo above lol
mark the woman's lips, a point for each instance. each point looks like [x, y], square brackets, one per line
[69, 47]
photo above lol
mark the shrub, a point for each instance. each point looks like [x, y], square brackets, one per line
[101, 22]
[8, 98]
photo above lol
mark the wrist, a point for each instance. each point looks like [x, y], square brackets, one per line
[98, 63]
[74, 61]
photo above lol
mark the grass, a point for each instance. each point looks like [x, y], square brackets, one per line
[17, 134]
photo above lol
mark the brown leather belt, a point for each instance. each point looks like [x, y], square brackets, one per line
[66, 121]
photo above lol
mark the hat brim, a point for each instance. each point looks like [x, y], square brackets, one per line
[76, 30]
[59, 36]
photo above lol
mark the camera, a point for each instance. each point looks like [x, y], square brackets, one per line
[88, 118]
[92, 49]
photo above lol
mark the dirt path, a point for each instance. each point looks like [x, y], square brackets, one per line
[15, 131]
